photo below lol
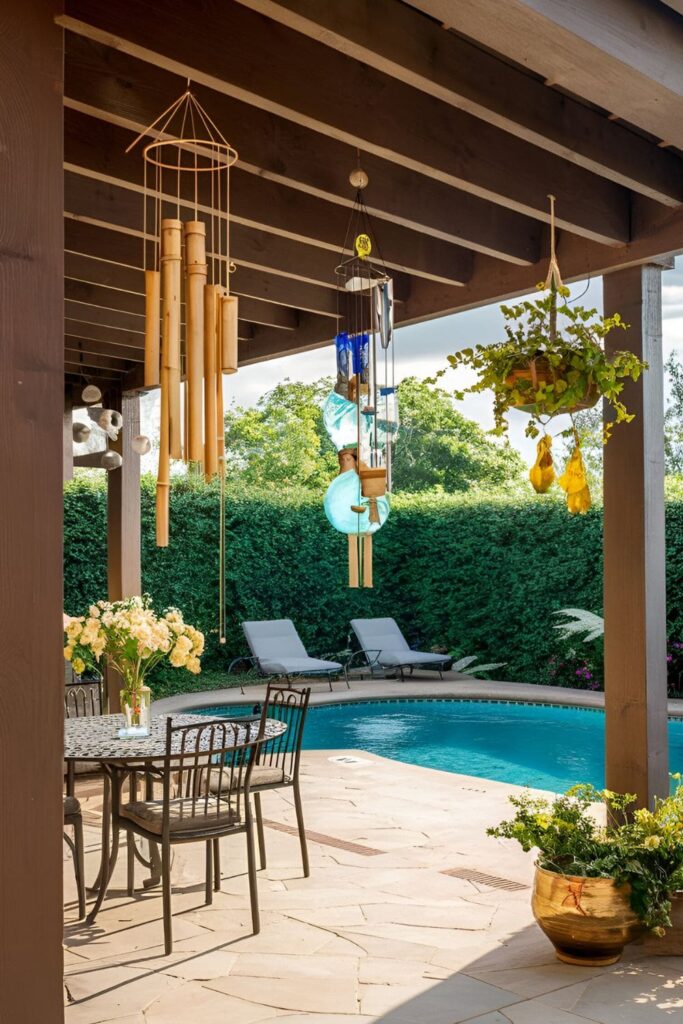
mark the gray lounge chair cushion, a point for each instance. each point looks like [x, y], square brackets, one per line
[277, 646]
[383, 635]
[149, 814]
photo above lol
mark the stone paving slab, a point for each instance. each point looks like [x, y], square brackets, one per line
[382, 939]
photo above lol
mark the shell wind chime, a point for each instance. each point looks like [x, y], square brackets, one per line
[191, 319]
[361, 414]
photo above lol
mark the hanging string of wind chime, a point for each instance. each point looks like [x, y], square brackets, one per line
[186, 259]
[361, 414]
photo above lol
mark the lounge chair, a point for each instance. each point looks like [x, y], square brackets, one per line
[277, 652]
[386, 648]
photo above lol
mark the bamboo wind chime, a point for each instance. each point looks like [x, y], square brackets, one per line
[186, 258]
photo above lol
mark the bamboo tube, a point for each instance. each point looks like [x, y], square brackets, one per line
[210, 421]
[229, 308]
[367, 560]
[353, 559]
[219, 428]
[152, 323]
[171, 256]
[163, 472]
[186, 411]
[195, 279]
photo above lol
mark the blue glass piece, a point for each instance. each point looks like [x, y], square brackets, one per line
[360, 343]
[343, 492]
[340, 417]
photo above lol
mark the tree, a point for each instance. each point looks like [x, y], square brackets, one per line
[282, 441]
[437, 447]
[673, 417]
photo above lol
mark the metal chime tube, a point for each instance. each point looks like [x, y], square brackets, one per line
[229, 343]
[195, 279]
[171, 257]
[219, 428]
[152, 324]
[210, 421]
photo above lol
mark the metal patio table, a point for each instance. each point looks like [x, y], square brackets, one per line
[96, 739]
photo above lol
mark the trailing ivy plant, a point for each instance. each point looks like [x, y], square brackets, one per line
[548, 334]
[643, 848]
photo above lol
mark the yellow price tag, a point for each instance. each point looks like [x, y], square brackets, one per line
[363, 246]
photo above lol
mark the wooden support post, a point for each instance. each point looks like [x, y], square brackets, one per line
[123, 520]
[31, 602]
[635, 587]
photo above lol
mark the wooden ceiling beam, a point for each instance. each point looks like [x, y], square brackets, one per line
[104, 348]
[623, 55]
[404, 44]
[116, 87]
[245, 282]
[103, 362]
[95, 151]
[250, 247]
[354, 104]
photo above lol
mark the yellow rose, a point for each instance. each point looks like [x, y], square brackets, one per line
[193, 666]
[68, 651]
[79, 666]
[652, 842]
[178, 658]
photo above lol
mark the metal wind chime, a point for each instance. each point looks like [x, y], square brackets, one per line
[187, 264]
[361, 414]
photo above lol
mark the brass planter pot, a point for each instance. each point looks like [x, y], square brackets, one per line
[588, 920]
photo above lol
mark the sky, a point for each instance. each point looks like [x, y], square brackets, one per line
[421, 350]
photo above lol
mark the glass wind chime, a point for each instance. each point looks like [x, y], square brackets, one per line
[361, 414]
[186, 246]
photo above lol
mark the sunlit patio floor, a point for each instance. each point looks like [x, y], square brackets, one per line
[381, 931]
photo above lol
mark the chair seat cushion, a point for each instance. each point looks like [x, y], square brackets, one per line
[71, 806]
[396, 658]
[297, 666]
[261, 775]
[149, 814]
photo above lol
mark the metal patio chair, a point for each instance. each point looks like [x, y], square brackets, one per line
[74, 819]
[189, 811]
[278, 762]
[390, 651]
[278, 653]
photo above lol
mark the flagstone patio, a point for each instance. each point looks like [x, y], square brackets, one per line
[382, 931]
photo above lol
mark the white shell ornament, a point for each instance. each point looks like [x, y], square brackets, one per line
[91, 394]
[141, 444]
[80, 432]
[111, 422]
[358, 178]
[111, 460]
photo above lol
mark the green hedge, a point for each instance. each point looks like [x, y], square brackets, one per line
[479, 573]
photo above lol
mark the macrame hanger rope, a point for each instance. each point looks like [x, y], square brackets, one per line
[554, 275]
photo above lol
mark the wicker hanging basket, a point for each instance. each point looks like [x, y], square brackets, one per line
[539, 372]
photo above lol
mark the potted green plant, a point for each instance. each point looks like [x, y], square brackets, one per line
[552, 362]
[598, 886]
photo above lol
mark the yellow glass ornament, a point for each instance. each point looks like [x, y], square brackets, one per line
[542, 473]
[574, 482]
[363, 246]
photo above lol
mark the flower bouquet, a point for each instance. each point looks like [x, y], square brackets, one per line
[132, 638]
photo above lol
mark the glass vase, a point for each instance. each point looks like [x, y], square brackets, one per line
[135, 706]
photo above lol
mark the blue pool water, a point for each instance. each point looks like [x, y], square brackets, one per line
[525, 744]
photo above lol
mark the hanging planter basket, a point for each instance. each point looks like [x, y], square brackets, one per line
[528, 377]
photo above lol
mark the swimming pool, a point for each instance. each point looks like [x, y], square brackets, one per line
[537, 745]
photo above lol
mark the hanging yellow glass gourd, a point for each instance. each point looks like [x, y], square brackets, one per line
[573, 481]
[542, 473]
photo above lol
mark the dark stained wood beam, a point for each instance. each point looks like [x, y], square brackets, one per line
[357, 105]
[103, 181]
[402, 43]
[103, 348]
[83, 270]
[116, 87]
[118, 253]
[31, 556]
[624, 55]
[636, 743]
[91, 303]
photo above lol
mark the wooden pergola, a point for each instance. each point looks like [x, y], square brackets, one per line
[466, 115]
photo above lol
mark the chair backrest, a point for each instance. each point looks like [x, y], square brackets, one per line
[83, 699]
[287, 704]
[273, 639]
[209, 766]
[379, 635]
